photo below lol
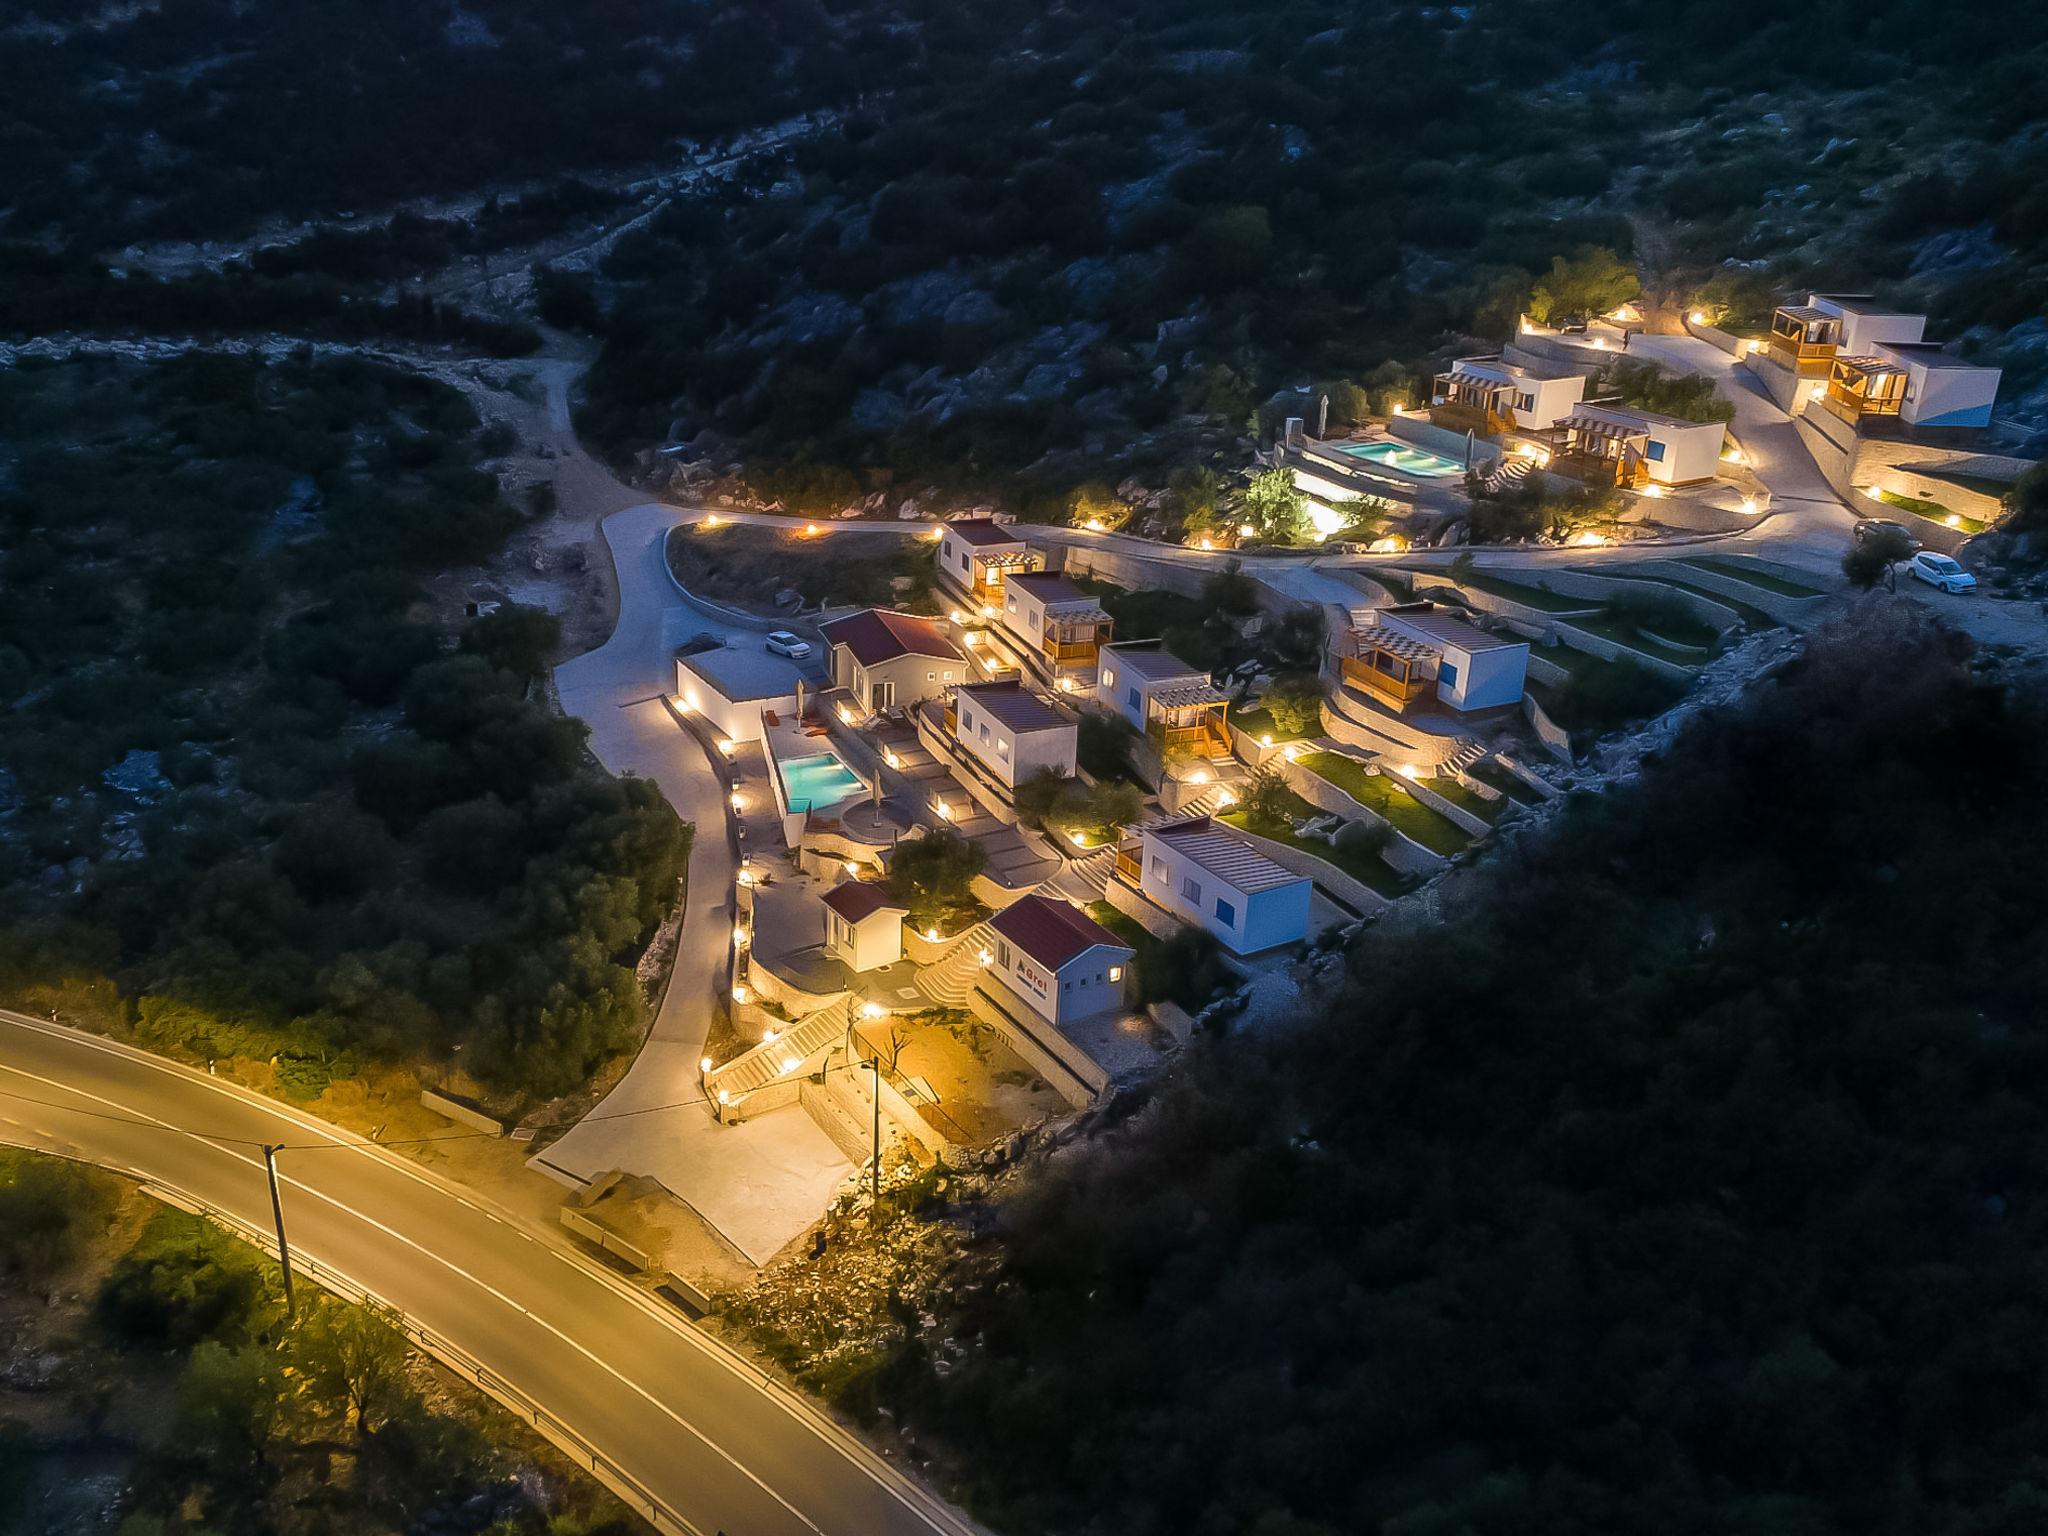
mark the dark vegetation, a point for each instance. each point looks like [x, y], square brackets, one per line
[243, 770]
[167, 1369]
[1689, 1178]
[749, 565]
[933, 876]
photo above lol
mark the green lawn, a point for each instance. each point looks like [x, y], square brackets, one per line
[1369, 870]
[1510, 784]
[1933, 511]
[1529, 597]
[1406, 814]
[1127, 928]
[747, 564]
[1466, 798]
[1260, 722]
[1756, 578]
[1755, 618]
[1621, 634]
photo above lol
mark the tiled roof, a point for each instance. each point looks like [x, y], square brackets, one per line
[856, 900]
[881, 634]
[1049, 587]
[1014, 705]
[1052, 932]
[1235, 863]
[983, 530]
[1445, 628]
[1150, 662]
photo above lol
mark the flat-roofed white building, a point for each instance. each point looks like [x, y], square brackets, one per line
[1202, 873]
[1173, 703]
[730, 686]
[887, 659]
[1917, 384]
[1058, 960]
[1418, 651]
[1621, 445]
[1011, 732]
[1490, 396]
[1808, 337]
[1060, 628]
[977, 555]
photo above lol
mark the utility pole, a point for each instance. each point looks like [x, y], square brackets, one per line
[875, 1062]
[284, 1253]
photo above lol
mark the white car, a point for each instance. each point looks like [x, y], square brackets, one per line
[783, 643]
[1937, 570]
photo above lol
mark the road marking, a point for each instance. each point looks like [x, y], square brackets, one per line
[456, 1269]
[915, 1498]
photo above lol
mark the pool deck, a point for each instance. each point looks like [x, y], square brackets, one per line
[789, 740]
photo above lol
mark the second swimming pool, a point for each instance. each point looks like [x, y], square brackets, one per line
[1410, 461]
[818, 781]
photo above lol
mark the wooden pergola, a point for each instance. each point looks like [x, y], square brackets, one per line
[1396, 669]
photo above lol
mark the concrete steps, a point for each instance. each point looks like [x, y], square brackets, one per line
[841, 1105]
[949, 981]
[791, 1051]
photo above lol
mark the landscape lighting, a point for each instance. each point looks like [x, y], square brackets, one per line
[739, 993]
[739, 934]
[790, 1064]
[725, 745]
[724, 1097]
[1698, 317]
[1749, 505]
[1410, 771]
[704, 1065]
[985, 958]
[1093, 525]
[871, 1010]
[739, 801]
[852, 870]
[1266, 740]
[931, 935]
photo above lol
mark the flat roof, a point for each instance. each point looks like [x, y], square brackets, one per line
[1932, 354]
[1052, 932]
[1015, 706]
[1856, 304]
[1049, 587]
[1448, 628]
[1234, 862]
[857, 900]
[1149, 660]
[741, 673]
[882, 634]
[1630, 415]
[983, 530]
[1504, 372]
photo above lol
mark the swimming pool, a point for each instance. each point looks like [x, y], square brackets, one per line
[818, 781]
[1411, 461]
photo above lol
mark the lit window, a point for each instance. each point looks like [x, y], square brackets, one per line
[1108, 678]
[932, 677]
[1003, 747]
[1116, 973]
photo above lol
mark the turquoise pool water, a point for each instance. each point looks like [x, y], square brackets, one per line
[1410, 461]
[818, 781]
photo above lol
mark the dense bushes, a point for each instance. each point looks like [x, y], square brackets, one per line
[325, 836]
[1686, 1177]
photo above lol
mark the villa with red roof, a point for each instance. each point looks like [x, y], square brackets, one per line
[1058, 960]
[890, 660]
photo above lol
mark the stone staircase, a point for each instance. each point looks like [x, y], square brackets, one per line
[1085, 879]
[1510, 472]
[790, 1052]
[949, 981]
[840, 1101]
[1462, 759]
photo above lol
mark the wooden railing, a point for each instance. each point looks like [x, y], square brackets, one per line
[1807, 357]
[1128, 867]
[1387, 688]
[1058, 651]
[1461, 416]
[1207, 739]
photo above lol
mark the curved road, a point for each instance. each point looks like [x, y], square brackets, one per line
[674, 1411]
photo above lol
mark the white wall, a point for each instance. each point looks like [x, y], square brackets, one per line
[1081, 989]
[1691, 452]
[739, 719]
[875, 941]
[1484, 679]
[1554, 399]
[1023, 616]
[1861, 334]
[1259, 921]
[1116, 695]
[1949, 397]
[915, 677]
[1010, 756]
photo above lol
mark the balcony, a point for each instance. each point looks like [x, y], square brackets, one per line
[1070, 652]
[1128, 869]
[1389, 679]
[1628, 472]
[1201, 738]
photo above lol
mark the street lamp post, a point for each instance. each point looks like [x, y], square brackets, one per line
[284, 1253]
[875, 1064]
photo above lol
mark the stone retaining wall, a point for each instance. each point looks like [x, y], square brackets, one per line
[1401, 851]
[1555, 738]
[1714, 336]
[1331, 880]
[1426, 434]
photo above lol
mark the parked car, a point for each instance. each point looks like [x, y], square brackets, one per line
[783, 643]
[1868, 527]
[1937, 570]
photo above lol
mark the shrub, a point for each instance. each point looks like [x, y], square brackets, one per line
[1296, 704]
[1591, 281]
[933, 876]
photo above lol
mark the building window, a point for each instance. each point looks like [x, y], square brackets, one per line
[1447, 673]
[1159, 869]
[1226, 914]
[984, 731]
[1003, 748]
[1191, 889]
[932, 677]
[1066, 986]
[1656, 451]
[1525, 402]
[1003, 953]
[1116, 973]
[963, 559]
[1131, 697]
[949, 674]
[1108, 678]
[1011, 605]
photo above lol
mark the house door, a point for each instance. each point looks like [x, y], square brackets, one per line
[881, 696]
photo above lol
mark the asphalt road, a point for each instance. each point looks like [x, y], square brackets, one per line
[678, 1414]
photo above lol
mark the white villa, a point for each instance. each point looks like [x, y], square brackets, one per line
[1415, 651]
[863, 925]
[1010, 732]
[977, 554]
[1173, 703]
[1059, 961]
[1489, 396]
[1057, 626]
[1874, 368]
[1199, 871]
[888, 660]
[1621, 445]
[731, 686]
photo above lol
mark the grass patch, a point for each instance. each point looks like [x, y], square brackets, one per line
[1605, 694]
[1933, 511]
[745, 564]
[1369, 870]
[1259, 722]
[1466, 798]
[1608, 628]
[1530, 597]
[1375, 791]
[1510, 784]
[1764, 579]
[1755, 618]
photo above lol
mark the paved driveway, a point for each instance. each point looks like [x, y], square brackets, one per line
[763, 1182]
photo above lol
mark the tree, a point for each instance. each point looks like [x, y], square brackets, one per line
[233, 1403]
[516, 639]
[1230, 591]
[1106, 809]
[1592, 281]
[1275, 507]
[933, 876]
[357, 1357]
[1195, 495]
[1094, 504]
[45, 1203]
[1295, 702]
[2026, 503]
[1297, 638]
[1870, 559]
[1267, 802]
[1041, 799]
